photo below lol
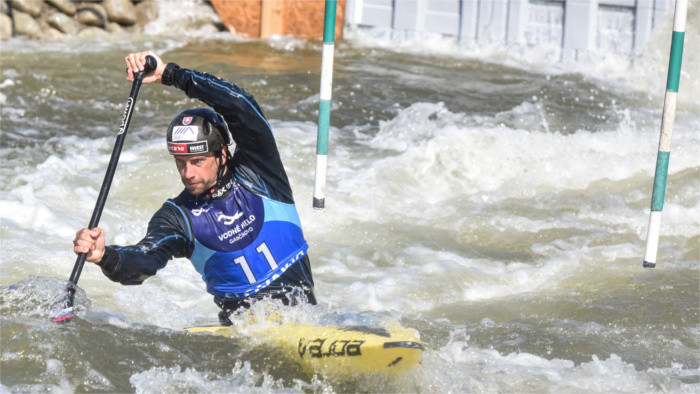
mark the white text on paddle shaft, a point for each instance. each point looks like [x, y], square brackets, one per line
[127, 112]
[239, 227]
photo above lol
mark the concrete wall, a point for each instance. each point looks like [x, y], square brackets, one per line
[579, 27]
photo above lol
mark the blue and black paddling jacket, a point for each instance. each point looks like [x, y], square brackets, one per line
[244, 236]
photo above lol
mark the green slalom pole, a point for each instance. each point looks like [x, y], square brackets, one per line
[324, 111]
[667, 120]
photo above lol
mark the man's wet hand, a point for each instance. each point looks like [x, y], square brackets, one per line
[91, 242]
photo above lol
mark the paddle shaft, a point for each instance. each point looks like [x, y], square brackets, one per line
[111, 168]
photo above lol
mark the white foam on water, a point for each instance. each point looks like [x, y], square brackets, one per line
[504, 162]
[243, 379]
[181, 294]
[4, 84]
[447, 175]
[486, 370]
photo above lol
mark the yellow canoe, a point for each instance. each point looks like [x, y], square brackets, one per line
[332, 349]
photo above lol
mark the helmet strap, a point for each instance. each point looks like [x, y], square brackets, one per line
[222, 167]
[221, 176]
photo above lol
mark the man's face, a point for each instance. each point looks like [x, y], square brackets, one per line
[198, 172]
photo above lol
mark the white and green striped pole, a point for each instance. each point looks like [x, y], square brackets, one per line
[667, 120]
[324, 111]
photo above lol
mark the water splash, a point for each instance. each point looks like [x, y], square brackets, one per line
[38, 296]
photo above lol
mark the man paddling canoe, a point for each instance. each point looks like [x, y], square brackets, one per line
[236, 220]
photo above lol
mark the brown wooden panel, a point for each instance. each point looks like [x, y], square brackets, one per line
[264, 18]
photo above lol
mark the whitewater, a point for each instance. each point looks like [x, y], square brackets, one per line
[493, 200]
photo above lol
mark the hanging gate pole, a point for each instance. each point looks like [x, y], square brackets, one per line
[324, 111]
[667, 120]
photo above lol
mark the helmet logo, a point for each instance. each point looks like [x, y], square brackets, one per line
[188, 149]
[185, 133]
[186, 120]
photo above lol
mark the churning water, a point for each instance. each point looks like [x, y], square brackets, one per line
[494, 202]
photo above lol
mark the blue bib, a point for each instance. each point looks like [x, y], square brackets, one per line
[243, 242]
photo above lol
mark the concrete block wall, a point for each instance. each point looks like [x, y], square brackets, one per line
[578, 27]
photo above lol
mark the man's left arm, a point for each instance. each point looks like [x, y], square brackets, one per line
[257, 158]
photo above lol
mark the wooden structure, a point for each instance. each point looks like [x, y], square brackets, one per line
[265, 18]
